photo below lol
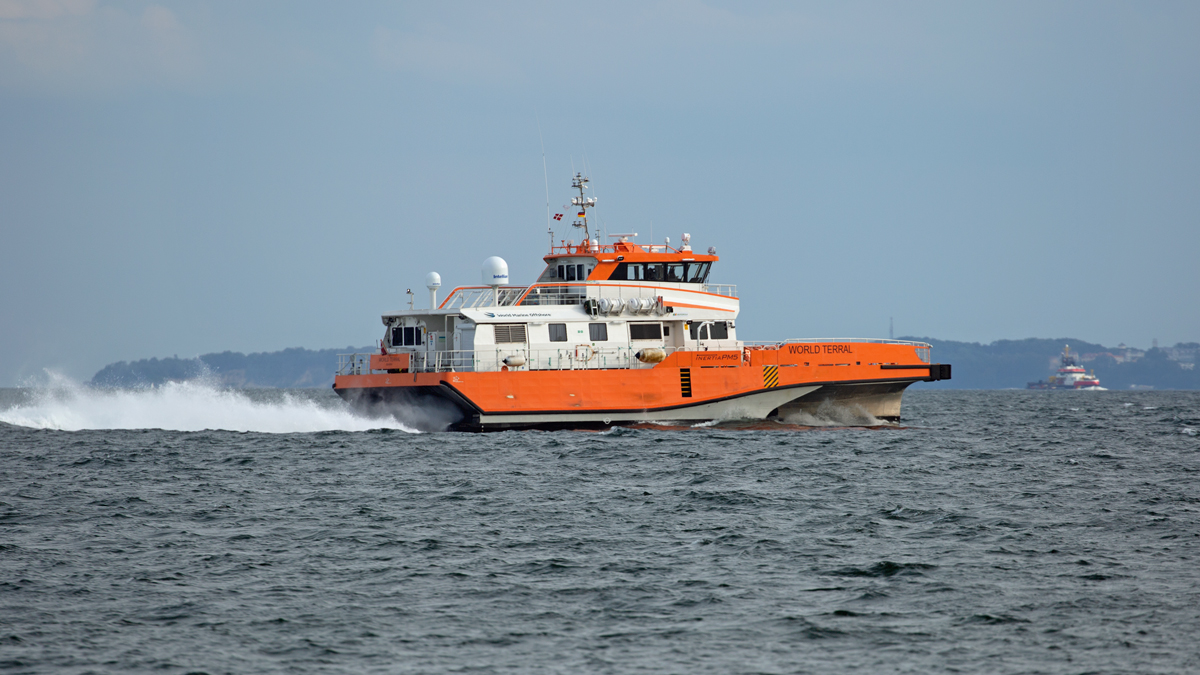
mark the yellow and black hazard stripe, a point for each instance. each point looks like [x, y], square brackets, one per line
[770, 376]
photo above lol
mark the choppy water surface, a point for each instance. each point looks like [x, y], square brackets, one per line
[994, 532]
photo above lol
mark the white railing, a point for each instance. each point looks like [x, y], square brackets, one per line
[555, 295]
[882, 341]
[576, 357]
[354, 364]
[572, 357]
[470, 297]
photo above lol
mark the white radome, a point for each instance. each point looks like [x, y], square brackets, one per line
[495, 271]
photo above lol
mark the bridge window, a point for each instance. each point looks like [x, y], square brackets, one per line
[697, 273]
[407, 336]
[645, 331]
[510, 333]
[716, 330]
[570, 273]
[558, 332]
[691, 272]
[599, 332]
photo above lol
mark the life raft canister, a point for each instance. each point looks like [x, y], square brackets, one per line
[651, 355]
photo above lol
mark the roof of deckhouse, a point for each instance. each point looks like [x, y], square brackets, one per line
[629, 252]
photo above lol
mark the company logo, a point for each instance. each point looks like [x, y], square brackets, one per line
[489, 314]
[717, 356]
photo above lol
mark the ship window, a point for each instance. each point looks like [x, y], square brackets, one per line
[560, 272]
[580, 275]
[599, 332]
[666, 331]
[716, 330]
[558, 332]
[407, 336]
[628, 272]
[692, 273]
[570, 273]
[510, 332]
[645, 331]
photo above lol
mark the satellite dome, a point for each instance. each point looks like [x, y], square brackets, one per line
[495, 272]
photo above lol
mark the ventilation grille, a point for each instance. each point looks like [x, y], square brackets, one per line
[685, 382]
[510, 332]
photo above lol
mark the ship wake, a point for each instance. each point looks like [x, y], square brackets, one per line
[193, 405]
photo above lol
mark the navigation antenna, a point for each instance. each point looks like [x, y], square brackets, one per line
[546, 176]
[584, 203]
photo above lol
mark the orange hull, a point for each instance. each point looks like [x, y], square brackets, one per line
[687, 385]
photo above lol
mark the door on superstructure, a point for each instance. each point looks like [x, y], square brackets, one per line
[464, 348]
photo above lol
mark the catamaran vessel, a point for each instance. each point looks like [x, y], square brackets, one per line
[616, 334]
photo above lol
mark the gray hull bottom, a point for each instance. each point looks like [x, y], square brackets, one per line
[852, 404]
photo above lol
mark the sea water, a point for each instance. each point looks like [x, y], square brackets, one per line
[188, 529]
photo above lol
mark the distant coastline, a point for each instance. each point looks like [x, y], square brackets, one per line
[1003, 364]
[294, 368]
[1011, 364]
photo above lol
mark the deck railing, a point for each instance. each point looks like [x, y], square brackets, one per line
[567, 293]
[578, 357]
[470, 297]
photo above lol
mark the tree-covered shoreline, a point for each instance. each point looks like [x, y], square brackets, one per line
[295, 367]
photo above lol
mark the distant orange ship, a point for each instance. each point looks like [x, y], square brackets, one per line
[613, 334]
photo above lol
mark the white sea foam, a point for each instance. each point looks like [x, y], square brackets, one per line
[183, 406]
[834, 414]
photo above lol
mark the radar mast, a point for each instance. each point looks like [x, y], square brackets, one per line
[579, 182]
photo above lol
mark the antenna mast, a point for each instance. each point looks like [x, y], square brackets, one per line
[546, 176]
[584, 203]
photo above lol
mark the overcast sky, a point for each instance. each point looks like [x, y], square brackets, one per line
[182, 178]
